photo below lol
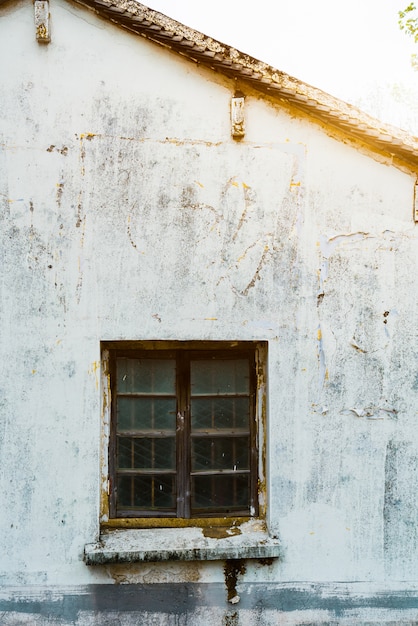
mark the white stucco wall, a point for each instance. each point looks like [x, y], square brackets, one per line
[129, 212]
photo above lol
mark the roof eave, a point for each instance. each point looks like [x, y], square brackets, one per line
[347, 119]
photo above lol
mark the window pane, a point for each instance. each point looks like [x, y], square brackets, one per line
[146, 492]
[146, 414]
[146, 453]
[220, 413]
[219, 376]
[212, 387]
[220, 492]
[146, 375]
[217, 453]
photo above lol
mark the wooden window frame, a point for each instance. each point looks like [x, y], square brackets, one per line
[256, 352]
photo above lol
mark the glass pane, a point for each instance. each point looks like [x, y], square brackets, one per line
[146, 453]
[146, 414]
[147, 492]
[222, 493]
[146, 375]
[217, 453]
[220, 413]
[219, 376]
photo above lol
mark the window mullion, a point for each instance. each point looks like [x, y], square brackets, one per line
[212, 453]
[186, 434]
[183, 436]
[112, 443]
[254, 444]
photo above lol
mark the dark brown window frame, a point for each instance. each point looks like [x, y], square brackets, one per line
[183, 351]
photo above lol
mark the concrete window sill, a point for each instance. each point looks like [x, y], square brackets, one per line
[180, 544]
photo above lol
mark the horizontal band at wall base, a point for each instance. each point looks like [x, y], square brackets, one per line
[164, 603]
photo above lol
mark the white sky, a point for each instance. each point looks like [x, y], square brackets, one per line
[353, 50]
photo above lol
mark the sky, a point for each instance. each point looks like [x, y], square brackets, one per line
[353, 50]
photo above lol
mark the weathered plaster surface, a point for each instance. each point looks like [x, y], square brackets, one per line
[129, 212]
[197, 603]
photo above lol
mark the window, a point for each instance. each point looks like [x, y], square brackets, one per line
[183, 465]
[183, 432]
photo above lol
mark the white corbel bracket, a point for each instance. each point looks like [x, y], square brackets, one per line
[43, 33]
[237, 117]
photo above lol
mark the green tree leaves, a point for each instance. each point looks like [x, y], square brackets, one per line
[408, 22]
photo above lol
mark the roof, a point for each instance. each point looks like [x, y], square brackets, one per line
[391, 142]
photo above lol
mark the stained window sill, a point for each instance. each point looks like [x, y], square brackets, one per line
[182, 544]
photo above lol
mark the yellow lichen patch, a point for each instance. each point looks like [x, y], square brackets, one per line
[234, 183]
[42, 32]
[93, 369]
[200, 184]
[319, 334]
[246, 186]
[220, 532]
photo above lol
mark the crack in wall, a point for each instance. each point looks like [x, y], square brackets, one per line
[256, 275]
[247, 204]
